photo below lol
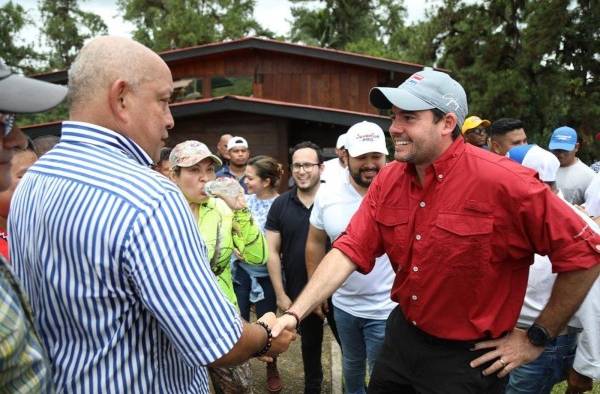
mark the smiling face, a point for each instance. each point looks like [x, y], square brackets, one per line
[191, 180]
[306, 169]
[364, 168]
[417, 138]
[254, 183]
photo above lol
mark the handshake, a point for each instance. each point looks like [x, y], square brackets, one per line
[281, 332]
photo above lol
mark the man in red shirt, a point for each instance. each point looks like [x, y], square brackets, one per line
[460, 226]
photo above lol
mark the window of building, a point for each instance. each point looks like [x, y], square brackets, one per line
[187, 89]
[224, 86]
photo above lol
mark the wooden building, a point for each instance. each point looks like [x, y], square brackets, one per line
[275, 94]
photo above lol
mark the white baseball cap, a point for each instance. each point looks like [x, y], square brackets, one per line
[536, 158]
[237, 142]
[341, 141]
[365, 137]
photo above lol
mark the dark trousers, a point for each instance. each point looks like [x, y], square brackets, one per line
[412, 361]
[311, 331]
[242, 284]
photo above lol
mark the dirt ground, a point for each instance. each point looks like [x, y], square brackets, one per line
[291, 370]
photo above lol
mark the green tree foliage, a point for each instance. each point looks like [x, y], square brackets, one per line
[537, 61]
[13, 18]
[375, 27]
[164, 24]
[66, 27]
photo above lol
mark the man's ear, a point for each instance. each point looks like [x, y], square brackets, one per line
[450, 121]
[117, 95]
[494, 146]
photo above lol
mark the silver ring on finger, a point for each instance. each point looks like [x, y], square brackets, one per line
[502, 362]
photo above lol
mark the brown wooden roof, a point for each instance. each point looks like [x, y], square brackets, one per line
[255, 43]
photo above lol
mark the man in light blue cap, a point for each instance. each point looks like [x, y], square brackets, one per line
[573, 176]
[460, 226]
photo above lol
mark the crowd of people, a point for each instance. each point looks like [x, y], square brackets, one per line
[468, 264]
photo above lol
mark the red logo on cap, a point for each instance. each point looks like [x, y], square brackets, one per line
[417, 77]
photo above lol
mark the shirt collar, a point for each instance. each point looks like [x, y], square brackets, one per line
[82, 132]
[443, 165]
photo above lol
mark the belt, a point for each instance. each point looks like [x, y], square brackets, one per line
[453, 343]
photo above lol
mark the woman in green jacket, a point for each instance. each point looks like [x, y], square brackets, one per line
[227, 227]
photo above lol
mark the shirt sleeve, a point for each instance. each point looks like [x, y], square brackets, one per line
[273, 222]
[592, 197]
[553, 229]
[248, 239]
[316, 215]
[361, 241]
[168, 265]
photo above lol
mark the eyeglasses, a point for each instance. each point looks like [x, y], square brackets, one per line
[8, 121]
[296, 167]
[478, 131]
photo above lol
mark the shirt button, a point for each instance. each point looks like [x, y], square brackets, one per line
[414, 323]
[441, 176]
[415, 269]
[422, 204]
[414, 297]
[418, 237]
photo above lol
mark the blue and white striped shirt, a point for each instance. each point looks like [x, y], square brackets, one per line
[115, 269]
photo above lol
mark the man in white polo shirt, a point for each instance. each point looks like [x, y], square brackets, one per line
[362, 304]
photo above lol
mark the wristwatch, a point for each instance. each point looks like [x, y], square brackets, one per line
[538, 335]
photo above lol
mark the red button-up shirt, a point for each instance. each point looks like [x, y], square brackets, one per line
[462, 243]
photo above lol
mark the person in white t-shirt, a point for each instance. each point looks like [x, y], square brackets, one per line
[573, 176]
[592, 198]
[335, 168]
[362, 304]
[573, 354]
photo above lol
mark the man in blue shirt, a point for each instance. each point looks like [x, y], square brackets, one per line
[107, 248]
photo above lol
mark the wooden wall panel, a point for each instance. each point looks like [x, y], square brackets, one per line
[265, 135]
[291, 78]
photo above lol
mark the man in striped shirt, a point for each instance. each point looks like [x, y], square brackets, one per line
[107, 249]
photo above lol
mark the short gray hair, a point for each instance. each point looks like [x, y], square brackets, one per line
[104, 60]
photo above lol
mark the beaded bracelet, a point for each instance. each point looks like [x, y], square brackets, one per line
[269, 340]
[294, 315]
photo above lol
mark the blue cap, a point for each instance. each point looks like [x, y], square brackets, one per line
[563, 138]
[536, 158]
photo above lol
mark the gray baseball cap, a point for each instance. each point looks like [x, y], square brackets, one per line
[21, 94]
[423, 90]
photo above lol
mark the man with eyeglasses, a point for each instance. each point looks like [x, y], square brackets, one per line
[24, 366]
[286, 231]
[474, 131]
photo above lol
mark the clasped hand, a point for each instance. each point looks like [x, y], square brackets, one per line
[281, 341]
